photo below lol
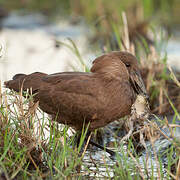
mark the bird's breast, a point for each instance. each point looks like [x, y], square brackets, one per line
[118, 99]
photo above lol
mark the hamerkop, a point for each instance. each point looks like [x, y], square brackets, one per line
[98, 97]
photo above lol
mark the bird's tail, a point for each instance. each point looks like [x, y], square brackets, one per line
[24, 82]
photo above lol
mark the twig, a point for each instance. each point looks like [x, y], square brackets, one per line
[156, 127]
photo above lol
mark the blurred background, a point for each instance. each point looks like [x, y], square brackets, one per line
[44, 35]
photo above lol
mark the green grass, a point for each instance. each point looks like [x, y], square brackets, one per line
[24, 153]
[73, 48]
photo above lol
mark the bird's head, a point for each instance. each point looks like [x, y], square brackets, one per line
[131, 64]
[120, 64]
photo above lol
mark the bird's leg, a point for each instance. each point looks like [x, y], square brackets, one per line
[112, 153]
[78, 139]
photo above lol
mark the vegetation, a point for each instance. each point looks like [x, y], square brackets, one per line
[31, 145]
[26, 151]
[165, 11]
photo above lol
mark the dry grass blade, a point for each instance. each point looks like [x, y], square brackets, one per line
[160, 100]
[85, 148]
[172, 175]
[178, 171]
[174, 125]
[173, 76]
[137, 164]
[126, 32]
[59, 172]
[35, 165]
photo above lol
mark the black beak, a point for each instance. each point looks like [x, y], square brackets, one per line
[138, 84]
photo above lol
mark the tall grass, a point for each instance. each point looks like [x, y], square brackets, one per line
[26, 149]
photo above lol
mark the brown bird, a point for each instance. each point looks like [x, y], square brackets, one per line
[98, 97]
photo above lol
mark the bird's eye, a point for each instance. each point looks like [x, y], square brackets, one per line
[127, 64]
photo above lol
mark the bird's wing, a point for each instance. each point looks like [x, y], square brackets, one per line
[72, 93]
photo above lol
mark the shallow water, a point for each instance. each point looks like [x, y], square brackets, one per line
[102, 159]
[28, 45]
